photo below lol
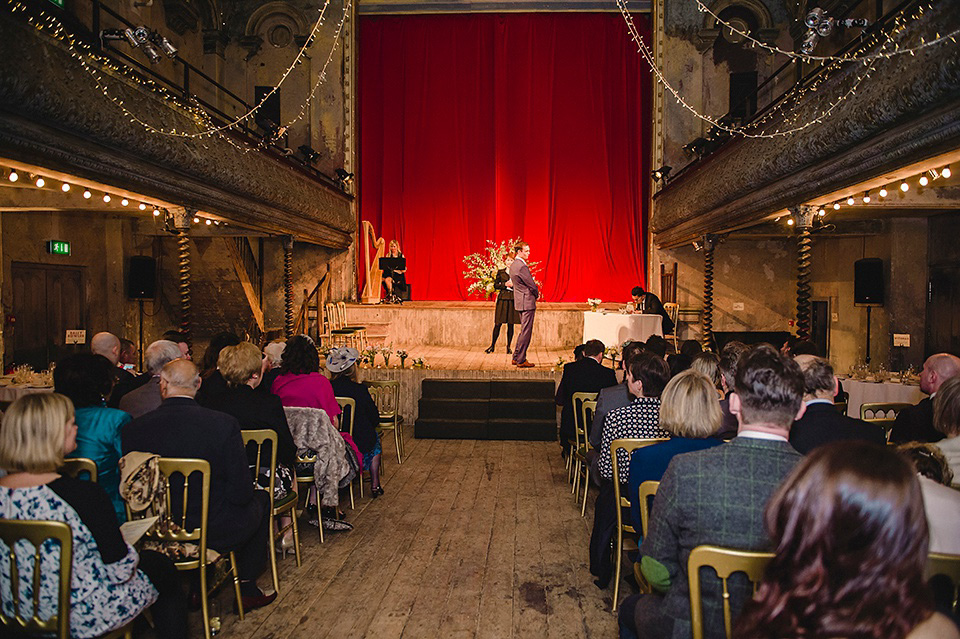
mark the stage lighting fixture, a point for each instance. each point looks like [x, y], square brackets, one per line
[165, 45]
[344, 177]
[661, 174]
[698, 147]
[810, 42]
[814, 17]
[825, 28]
[309, 154]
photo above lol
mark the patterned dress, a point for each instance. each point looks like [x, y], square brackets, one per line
[638, 420]
[103, 596]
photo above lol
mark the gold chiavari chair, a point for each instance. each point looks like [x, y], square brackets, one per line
[882, 413]
[725, 561]
[584, 407]
[74, 466]
[947, 566]
[348, 406]
[386, 395]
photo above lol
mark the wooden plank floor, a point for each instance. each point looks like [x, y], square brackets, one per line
[475, 359]
[471, 539]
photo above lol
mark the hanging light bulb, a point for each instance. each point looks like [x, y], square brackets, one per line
[124, 202]
[14, 176]
[790, 221]
[836, 206]
[40, 182]
[883, 191]
[142, 207]
[850, 201]
[209, 221]
[87, 194]
[904, 186]
[821, 212]
[924, 180]
[866, 197]
[106, 197]
[156, 212]
[65, 187]
[946, 172]
[196, 220]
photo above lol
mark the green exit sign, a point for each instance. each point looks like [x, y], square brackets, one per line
[58, 247]
[59, 3]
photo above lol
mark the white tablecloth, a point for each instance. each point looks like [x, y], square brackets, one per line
[614, 329]
[11, 392]
[868, 392]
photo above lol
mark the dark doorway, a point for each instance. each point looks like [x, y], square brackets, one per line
[943, 310]
[47, 300]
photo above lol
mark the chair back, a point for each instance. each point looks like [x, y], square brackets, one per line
[333, 317]
[386, 395]
[648, 490]
[260, 438]
[725, 561]
[349, 407]
[75, 465]
[628, 445]
[949, 567]
[342, 313]
[36, 533]
[668, 283]
[583, 416]
[841, 407]
[673, 311]
[882, 413]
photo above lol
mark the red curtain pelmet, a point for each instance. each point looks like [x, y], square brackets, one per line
[477, 127]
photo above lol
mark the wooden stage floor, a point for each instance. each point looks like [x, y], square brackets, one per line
[471, 539]
[472, 358]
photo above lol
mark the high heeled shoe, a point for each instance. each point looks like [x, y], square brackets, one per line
[376, 492]
[285, 546]
[489, 350]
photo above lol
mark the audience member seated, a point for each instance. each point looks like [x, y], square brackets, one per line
[656, 345]
[272, 354]
[86, 379]
[578, 352]
[946, 419]
[587, 375]
[708, 365]
[729, 357]
[108, 345]
[609, 399]
[128, 356]
[941, 502]
[690, 412]
[342, 364]
[180, 340]
[238, 518]
[141, 401]
[850, 535]
[822, 423]
[915, 424]
[211, 380]
[110, 583]
[300, 382]
[646, 375]
[716, 496]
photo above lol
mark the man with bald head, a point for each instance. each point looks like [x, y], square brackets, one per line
[238, 518]
[915, 424]
[148, 397]
[822, 423]
[108, 345]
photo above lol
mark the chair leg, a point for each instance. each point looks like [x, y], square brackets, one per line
[396, 437]
[586, 487]
[352, 505]
[204, 603]
[271, 540]
[576, 478]
[296, 535]
[236, 584]
[616, 575]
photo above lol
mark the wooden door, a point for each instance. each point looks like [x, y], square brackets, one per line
[943, 310]
[47, 300]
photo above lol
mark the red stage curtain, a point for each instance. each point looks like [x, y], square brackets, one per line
[477, 127]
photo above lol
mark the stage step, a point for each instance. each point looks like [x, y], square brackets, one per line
[512, 409]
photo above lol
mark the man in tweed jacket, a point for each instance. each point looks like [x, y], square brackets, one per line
[717, 497]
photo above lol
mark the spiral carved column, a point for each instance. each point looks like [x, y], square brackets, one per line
[706, 334]
[183, 260]
[803, 220]
[288, 286]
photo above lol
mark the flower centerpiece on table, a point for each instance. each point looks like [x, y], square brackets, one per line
[419, 363]
[482, 266]
[367, 356]
[613, 352]
[559, 365]
[386, 352]
[594, 303]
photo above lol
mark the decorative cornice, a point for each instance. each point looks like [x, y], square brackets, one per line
[907, 111]
[55, 115]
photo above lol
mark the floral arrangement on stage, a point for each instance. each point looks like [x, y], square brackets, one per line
[403, 357]
[613, 352]
[482, 266]
[594, 303]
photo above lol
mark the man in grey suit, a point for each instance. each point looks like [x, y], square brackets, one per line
[525, 294]
[142, 400]
[717, 496]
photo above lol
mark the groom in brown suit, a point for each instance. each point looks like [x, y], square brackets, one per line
[525, 294]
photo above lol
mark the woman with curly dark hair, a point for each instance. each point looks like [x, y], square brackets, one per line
[300, 382]
[87, 379]
[851, 544]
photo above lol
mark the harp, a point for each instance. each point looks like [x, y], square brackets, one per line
[371, 286]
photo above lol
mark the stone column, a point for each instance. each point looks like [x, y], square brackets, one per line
[803, 221]
[288, 286]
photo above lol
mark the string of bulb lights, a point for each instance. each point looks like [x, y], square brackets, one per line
[41, 182]
[82, 52]
[885, 40]
[923, 179]
[852, 56]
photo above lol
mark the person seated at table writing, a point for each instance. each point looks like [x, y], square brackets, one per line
[822, 423]
[394, 280]
[915, 424]
[650, 304]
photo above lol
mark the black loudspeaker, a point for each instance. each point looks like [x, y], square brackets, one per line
[868, 282]
[142, 278]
